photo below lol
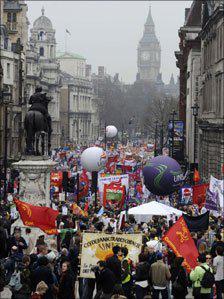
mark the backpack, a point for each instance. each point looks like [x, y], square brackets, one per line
[15, 281]
[208, 279]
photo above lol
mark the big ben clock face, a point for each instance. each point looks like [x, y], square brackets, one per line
[145, 55]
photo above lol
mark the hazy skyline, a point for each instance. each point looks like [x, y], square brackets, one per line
[107, 32]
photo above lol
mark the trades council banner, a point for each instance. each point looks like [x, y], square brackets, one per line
[98, 246]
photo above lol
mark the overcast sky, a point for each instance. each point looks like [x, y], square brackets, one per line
[107, 32]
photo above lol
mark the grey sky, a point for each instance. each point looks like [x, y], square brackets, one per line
[107, 32]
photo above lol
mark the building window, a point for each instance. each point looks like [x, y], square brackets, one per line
[41, 51]
[8, 70]
[41, 36]
[52, 51]
[9, 17]
[14, 19]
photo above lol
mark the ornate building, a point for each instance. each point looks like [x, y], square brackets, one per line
[14, 36]
[201, 63]
[79, 110]
[43, 69]
[211, 98]
[149, 53]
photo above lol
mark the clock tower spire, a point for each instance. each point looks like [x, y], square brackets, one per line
[149, 52]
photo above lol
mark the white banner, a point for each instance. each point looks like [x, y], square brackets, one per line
[216, 186]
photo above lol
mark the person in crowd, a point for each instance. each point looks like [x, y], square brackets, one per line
[142, 277]
[196, 277]
[40, 241]
[66, 286]
[218, 242]
[17, 240]
[127, 267]
[41, 290]
[160, 277]
[105, 279]
[114, 264]
[43, 273]
[3, 240]
[218, 264]
[178, 279]
[29, 238]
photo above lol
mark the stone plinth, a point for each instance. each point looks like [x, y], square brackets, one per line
[35, 179]
[34, 183]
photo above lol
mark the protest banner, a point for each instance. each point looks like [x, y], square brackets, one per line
[124, 179]
[98, 246]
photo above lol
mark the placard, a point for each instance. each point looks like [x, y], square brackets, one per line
[98, 246]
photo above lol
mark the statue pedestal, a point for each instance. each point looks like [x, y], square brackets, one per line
[34, 184]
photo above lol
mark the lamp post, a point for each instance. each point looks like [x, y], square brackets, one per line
[161, 139]
[172, 134]
[155, 139]
[105, 136]
[195, 109]
[5, 98]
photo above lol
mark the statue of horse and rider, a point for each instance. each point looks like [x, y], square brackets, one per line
[37, 124]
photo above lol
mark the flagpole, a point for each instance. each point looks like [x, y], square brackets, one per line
[65, 41]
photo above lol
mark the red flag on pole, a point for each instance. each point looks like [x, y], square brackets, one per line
[179, 239]
[196, 177]
[199, 194]
[42, 217]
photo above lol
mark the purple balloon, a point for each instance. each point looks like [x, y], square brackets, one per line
[163, 175]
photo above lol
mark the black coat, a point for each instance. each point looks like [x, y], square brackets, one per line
[43, 273]
[66, 285]
[105, 280]
[182, 280]
[142, 271]
[114, 264]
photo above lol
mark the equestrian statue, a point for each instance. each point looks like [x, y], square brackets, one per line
[37, 124]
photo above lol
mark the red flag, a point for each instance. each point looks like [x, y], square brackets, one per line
[42, 217]
[199, 194]
[86, 207]
[196, 177]
[83, 184]
[179, 239]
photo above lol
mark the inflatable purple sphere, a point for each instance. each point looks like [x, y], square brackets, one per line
[163, 175]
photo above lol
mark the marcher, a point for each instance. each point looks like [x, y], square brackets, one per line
[196, 276]
[160, 277]
[66, 287]
[179, 279]
[218, 264]
[106, 280]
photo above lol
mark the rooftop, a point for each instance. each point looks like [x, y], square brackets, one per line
[67, 55]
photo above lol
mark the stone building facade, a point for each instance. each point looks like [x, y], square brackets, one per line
[211, 121]
[79, 110]
[192, 98]
[14, 36]
[201, 63]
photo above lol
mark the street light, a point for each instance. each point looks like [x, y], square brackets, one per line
[195, 109]
[172, 136]
[5, 98]
[155, 139]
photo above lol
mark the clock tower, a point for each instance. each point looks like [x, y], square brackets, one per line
[149, 53]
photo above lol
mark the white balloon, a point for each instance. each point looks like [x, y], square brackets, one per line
[93, 158]
[111, 131]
